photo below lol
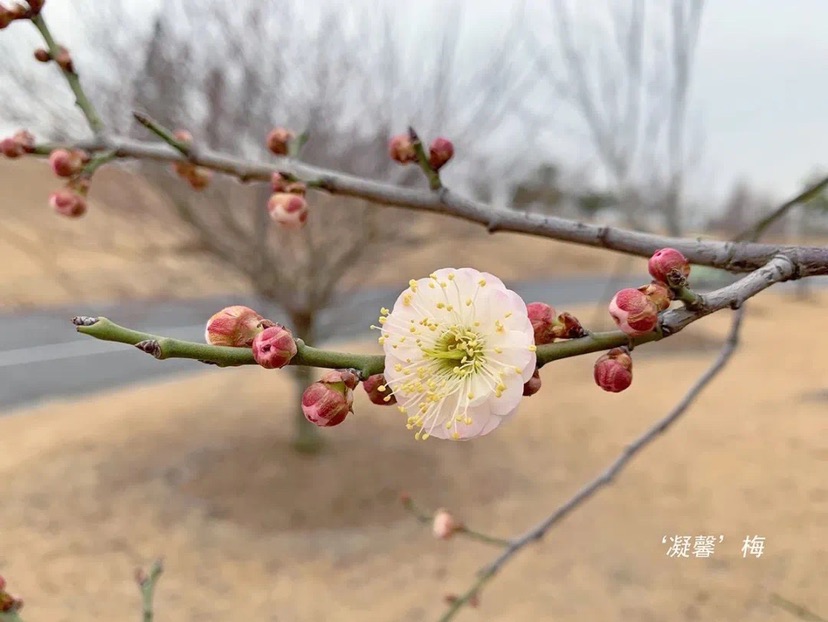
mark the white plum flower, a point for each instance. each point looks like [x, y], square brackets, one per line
[459, 347]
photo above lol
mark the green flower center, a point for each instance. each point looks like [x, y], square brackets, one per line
[458, 351]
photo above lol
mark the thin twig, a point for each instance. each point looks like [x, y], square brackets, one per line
[798, 610]
[427, 519]
[147, 583]
[757, 230]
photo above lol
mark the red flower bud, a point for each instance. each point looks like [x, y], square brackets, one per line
[658, 293]
[378, 392]
[235, 326]
[274, 347]
[68, 203]
[444, 525]
[542, 317]
[533, 385]
[42, 55]
[669, 266]
[183, 136]
[67, 163]
[633, 312]
[11, 148]
[278, 140]
[277, 182]
[289, 210]
[199, 178]
[440, 152]
[613, 370]
[326, 403]
[401, 149]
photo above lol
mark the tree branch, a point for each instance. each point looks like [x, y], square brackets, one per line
[735, 257]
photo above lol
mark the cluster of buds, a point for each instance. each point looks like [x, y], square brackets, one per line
[287, 205]
[378, 391]
[63, 58]
[8, 602]
[636, 312]
[19, 144]
[548, 326]
[328, 401]
[401, 149]
[198, 177]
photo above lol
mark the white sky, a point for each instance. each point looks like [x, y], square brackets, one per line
[760, 85]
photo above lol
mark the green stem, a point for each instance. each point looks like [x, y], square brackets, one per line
[163, 133]
[424, 518]
[147, 584]
[72, 78]
[422, 159]
[458, 603]
[691, 299]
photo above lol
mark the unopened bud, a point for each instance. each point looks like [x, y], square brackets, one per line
[235, 326]
[183, 136]
[633, 312]
[542, 317]
[25, 140]
[36, 5]
[42, 55]
[277, 182]
[199, 178]
[440, 152]
[567, 326]
[669, 266]
[11, 148]
[68, 203]
[401, 149]
[64, 60]
[7, 602]
[472, 601]
[326, 403]
[274, 347]
[378, 391]
[659, 294]
[613, 370]
[278, 140]
[6, 17]
[533, 385]
[289, 210]
[444, 525]
[67, 163]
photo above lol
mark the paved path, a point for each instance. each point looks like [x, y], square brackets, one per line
[43, 358]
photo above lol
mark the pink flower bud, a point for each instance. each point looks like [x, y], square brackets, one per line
[401, 149]
[274, 347]
[669, 266]
[25, 140]
[11, 148]
[542, 317]
[659, 294]
[278, 140]
[199, 178]
[66, 163]
[633, 312]
[289, 210]
[444, 525]
[326, 403]
[533, 385]
[64, 60]
[440, 152]
[613, 370]
[68, 203]
[235, 326]
[378, 392]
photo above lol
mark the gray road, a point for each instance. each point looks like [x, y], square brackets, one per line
[43, 358]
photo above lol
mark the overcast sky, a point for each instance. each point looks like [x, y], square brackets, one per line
[759, 94]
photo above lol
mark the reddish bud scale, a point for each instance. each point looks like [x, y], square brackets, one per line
[25, 140]
[277, 182]
[567, 326]
[440, 152]
[669, 266]
[542, 317]
[274, 347]
[64, 61]
[401, 149]
[613, 370]
[42, 55]
[378, 392]
[633, 312]
[659, 294]
[6, 17]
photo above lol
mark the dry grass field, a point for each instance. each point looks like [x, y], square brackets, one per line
[199, 470]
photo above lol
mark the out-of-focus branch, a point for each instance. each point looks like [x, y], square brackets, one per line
[757, 230]
[147, 582]
[735, 257]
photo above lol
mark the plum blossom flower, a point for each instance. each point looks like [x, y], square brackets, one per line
[459, 348]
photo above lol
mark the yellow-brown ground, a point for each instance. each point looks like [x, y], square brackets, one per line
[199, 470]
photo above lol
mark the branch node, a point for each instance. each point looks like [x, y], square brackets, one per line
[84, 320]
[151, 347]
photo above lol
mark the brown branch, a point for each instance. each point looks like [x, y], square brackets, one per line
[735, 257]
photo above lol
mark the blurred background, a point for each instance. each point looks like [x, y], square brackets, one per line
[684, 118]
